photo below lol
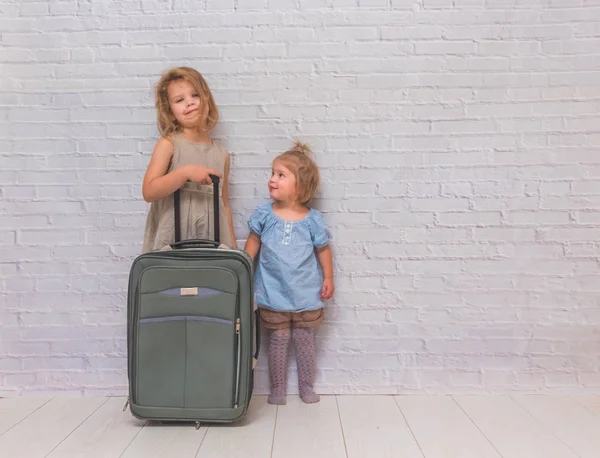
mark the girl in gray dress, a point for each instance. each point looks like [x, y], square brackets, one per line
[184, 157]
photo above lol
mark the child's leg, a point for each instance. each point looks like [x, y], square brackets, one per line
[304, 339]
[278, 352]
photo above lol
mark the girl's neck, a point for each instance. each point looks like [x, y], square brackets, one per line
[196, 135]
[289, 208]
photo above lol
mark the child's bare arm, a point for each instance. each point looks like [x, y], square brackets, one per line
[326, 261]
[157, 184]
[252, 245]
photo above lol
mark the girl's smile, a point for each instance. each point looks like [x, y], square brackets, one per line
[282, 184]
[184, 102]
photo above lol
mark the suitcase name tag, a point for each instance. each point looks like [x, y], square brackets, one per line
[188, 291]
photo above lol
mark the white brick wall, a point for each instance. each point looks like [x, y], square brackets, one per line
[459, 144]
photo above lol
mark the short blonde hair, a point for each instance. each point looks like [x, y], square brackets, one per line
[166, 122]
[305, 170]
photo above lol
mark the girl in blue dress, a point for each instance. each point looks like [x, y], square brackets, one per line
[294, 275]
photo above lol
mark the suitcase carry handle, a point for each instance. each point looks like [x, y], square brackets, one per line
[257, 335]
[176, 204]
[195, 243]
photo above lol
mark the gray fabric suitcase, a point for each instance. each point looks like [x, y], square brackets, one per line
[191, 329]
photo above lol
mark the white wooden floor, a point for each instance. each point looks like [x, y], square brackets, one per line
[338, 426]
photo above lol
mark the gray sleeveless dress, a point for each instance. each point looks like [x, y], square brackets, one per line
[196, 200]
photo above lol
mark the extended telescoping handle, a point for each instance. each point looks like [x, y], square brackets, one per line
[176, 206]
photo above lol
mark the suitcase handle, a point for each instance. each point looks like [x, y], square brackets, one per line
[195, 243]
[176, 205]
[257, 334]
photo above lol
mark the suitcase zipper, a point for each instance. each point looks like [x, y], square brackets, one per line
[238, 362]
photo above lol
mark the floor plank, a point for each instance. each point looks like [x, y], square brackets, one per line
[588, 400]
[22, 403]
[160, 440]
[105, 434]
[374, 426]
[44, 429]
[513, 432]
[574, 424]
[308, 430]
[252, 437]
[442, 429]
[14, 410]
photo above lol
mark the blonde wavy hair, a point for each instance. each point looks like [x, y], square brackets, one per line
[297, 159]
[166, 122]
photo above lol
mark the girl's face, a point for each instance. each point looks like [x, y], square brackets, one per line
[185, 104]
[282, 184]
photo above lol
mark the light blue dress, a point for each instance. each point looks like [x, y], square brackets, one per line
[288, 277]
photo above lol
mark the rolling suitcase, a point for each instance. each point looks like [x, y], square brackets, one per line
[191, 328]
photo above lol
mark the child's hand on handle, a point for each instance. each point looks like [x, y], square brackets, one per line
[199, 174]
[328, 289]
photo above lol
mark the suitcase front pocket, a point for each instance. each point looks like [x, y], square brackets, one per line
[210, 364]
[186, 361]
